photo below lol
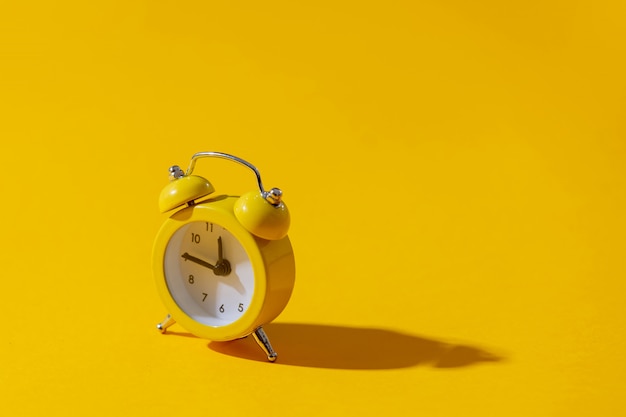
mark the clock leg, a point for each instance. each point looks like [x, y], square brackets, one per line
[165, 323]
[264, 343]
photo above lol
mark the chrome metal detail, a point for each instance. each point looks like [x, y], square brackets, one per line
[233, 158]
[264, 343]
[274, 196]
[176, 172]
[167, 322]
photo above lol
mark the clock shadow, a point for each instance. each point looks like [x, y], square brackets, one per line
[339, 347]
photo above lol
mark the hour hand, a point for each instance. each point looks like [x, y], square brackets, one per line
[222, 268]
[199, 261]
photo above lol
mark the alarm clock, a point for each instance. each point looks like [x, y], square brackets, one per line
[223, 264]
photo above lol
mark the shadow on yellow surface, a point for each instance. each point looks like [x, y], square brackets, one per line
[338, 347]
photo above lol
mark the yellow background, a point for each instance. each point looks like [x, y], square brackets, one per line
[455, 173]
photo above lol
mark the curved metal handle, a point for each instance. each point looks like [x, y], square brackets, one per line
[233, 158]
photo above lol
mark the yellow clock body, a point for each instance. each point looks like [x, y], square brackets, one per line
[224, 265]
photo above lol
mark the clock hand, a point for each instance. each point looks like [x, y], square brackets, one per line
[220, 256]
[222, 265]
[188, 257]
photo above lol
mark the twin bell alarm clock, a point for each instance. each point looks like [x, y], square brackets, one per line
[223, 264]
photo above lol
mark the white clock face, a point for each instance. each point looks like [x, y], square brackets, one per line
[208, 273]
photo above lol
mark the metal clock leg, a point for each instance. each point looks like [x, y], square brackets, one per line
[264, 343]
[166, 323]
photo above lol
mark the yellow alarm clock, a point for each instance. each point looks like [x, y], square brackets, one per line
[224, 265]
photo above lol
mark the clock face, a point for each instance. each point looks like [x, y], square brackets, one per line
[208, 273]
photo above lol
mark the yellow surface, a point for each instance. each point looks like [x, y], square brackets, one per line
[455, 173]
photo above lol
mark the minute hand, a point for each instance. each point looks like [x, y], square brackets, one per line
[191, 258]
